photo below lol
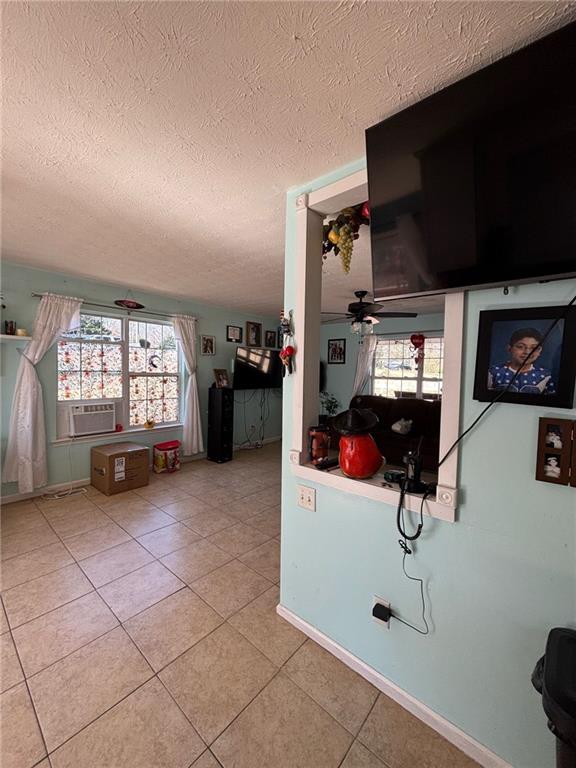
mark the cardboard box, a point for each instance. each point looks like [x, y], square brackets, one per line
[118, 467]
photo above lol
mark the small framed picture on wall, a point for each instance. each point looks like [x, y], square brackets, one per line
[234, 333]
[270, 339]
[337, 351]
[207, 345]
[253, 334]
[221, 378]
[554, 455]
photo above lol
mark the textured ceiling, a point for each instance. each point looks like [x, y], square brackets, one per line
[152, 144]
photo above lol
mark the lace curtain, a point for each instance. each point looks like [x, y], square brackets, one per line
[185, 330]
[25, 461]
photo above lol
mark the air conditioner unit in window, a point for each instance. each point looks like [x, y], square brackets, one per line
[91, 419]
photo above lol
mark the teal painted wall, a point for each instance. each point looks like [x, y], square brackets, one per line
[497, 580]
[340, 378]
[17, 285]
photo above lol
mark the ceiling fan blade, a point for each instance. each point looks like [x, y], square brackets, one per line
[342, 314]
[395, 314]
[335, 320]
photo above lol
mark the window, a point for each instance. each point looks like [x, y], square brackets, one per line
[96, 360]
[153, 368]
[396, 373]
[90, 360]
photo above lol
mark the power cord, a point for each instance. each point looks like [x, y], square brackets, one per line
[70, 491]
[502, 392]
[400, 522]
[401, 525]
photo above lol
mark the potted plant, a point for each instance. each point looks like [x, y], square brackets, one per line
[330, 406]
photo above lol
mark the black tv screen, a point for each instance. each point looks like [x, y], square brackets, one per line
[476, 185]
[256, 368]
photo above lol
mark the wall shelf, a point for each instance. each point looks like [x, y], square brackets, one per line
[13, 337]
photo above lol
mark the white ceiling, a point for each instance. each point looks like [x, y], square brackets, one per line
[152, 144]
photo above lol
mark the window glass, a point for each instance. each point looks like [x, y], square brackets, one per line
[153, 368]
[397, 373]
[93, 357]
[90, 360]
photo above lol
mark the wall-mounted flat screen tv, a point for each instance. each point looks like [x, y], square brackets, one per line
[476, 185]
[256, 368]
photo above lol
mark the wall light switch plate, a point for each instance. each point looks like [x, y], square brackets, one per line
[306, 497]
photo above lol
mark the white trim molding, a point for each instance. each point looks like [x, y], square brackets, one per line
[445, 728]
[45, 489]
[310, 212]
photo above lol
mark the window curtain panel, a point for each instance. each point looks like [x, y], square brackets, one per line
[25, 461]
[364, 363]
[185, 330]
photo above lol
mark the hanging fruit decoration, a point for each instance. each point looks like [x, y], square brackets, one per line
[340, 233]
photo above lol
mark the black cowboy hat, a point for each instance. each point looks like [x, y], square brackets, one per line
[356, 421]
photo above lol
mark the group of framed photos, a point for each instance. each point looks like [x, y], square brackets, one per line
[556, 457]
[236, 335]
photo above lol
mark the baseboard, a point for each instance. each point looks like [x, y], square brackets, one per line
[276, 439]
[444, 727]
[259, 443]
[45, 489]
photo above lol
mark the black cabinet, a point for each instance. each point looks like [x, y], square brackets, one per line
[220, 424]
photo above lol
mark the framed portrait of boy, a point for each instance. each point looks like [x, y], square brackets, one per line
[207, 345]
[234, 333]
[527, 356]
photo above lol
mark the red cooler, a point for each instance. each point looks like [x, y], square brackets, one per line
[167, 456]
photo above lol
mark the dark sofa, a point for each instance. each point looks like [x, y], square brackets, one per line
[425, 415]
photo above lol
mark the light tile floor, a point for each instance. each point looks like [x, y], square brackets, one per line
[140, 631]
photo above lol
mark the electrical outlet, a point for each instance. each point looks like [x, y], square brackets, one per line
[380, 601]
[307, 498]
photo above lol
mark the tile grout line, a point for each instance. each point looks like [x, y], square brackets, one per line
[155, 675]
[274, 676]
[356, 739]
[155, 559]
[76, 560]
[32, 704]
[151, 677]
[108, 709]
[67, 602]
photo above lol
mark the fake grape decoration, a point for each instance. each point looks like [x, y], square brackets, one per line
[340, 233]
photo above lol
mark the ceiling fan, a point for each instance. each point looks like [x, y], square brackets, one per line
[366, 311]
